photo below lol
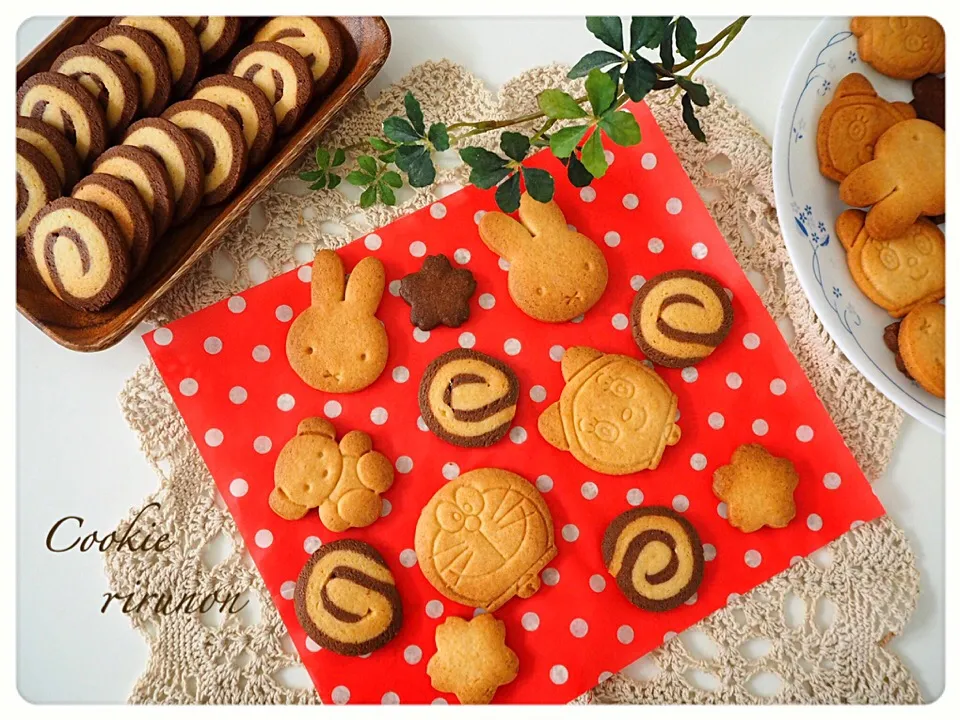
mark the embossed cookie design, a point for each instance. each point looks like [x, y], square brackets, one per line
[615, 415]
[484, 538]
[472, 659]
[901, 47]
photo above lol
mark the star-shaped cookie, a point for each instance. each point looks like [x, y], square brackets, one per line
[757, 488]
[472, 659]
[438, 293]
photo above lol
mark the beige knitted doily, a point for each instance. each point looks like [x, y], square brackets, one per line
[814, 634]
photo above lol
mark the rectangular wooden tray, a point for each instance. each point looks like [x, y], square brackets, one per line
[366, 42]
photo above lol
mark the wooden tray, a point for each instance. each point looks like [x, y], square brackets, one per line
[366, 42]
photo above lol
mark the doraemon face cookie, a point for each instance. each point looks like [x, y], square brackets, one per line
[901, 47]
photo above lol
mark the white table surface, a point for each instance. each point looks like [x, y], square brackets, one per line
[76, 455]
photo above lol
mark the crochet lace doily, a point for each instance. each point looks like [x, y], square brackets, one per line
[814, 634]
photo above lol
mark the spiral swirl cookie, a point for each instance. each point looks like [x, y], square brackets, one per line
[179, 44]
[123, 202]
[62, 102]
[108, 80]
[346, 598]
[180, 158]
[680, 317]
[37, 184]
[468, 398]
[54, 147]
[145, 58]
[656, 557]
[282, 75]
[216, 35]
[78, 252]
[147, 174]
[248, 106]
[315, 38]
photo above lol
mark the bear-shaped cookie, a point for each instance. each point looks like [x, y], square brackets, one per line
[901, 47]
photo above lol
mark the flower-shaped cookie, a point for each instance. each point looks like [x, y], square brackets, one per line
[757, 488]
[472, 659]
[438, 294]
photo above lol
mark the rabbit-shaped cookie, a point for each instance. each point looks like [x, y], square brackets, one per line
[337, 344]
[555, 273]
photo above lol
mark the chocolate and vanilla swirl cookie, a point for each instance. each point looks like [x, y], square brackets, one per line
[37, 184]
[216, 35]
[108, 80]
[315, 38]
[147, 175]
[54, 147]
[179, 44]
[129, 211]
[679, 317]
[346, 598]
[283, 76]
[62, 103]
[145, 58]
[655, 555]
[468, 398]
[248, 106]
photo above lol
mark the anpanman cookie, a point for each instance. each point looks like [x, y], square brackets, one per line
[472, 659]
[757, 488]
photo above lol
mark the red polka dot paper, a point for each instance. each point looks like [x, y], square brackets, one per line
[227, 371]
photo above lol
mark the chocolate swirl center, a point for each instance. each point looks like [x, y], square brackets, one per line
[102, 95]
[207, 149]
[357, 578]
[636, 546]
[23, 196]
[252, 71]
[476, 414]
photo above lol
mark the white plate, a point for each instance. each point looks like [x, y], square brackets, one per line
[808, 205]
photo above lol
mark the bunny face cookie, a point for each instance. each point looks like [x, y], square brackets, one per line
[555, 273]
[901, 47]
[337, 344]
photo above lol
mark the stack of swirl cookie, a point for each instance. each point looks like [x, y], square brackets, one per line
[106, 164]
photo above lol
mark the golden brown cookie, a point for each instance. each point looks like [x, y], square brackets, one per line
[930, 98]
[108, 80]
[37, 184]
[180, 46]
[337, 344]
[62, 103]
[148, 175]
[655, 555]
[900, 273]
[344, 481]
[54, 147]
[248, 106]
[282, 75]
[485, 537]
[123, 202]
[472, 659]
[905, 179]
[438, 293]
[555, 273]
[901, 47]
[922, 344]
[315, 38]
[145, 58]
[757, 488]
[615, 415]
[216, 35]
[680, 317]
[851, 123]
[468, 398]
[346, 598]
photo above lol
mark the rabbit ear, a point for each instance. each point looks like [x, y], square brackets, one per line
[502, 234]
[849, 225]
[541, 218]
[327, 284]
[365, 286]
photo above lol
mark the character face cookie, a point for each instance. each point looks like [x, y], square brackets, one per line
[64, 104]
[438, 293]
[108, 80]
[282, 75]
[555, 273]
[54, 147]
[757, 488]
[922, 344]
[337, 344]
[145, 58]
[900, 273]
[615, 415]
[37, 184]
[180, 46]
[656, 557]
[901, 47]
[468, 398]
[472, 659]
[851, 123]
[315, 38]
[484, 538]
[346, 598]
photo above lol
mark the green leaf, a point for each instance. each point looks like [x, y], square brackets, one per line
[646, 32]
[666, 48]
[323, 159]
[334, 180]
[595, 59]
[421, 171]
[392, 179]
[696, 91]
[592, 156]
[339, 157]
[577, 174]
[487, 178]
[414, 112]
[406, 155]
[387, 158]
[639, 79]
[359, 178]
[311, 175]
[563, 142]
[690, 118]
[558, 105]
[367, 164]
[386, 194]
[481, 159]
[368, 197]
[515, 145]
[380, 145]
[614, 75]
[399, 130]
[539, 184]
[439, 137]
[319, 184]
[601, 91]
[608, 30]
[622, 127]
[686, 38]
[508, 194]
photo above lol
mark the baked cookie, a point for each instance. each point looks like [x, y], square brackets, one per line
[180, 46]
[108, 80]
[54, 147]
[62, 103]
[438, 293]
[555, 273]
[145, 58]
[680, 317]
[77, 250]
[346, 598]
[930, 99]
[337, 344]
[180, 157]
[891, 339]
[485, 537]
[901, 47]
[282, 75]
[344, 481]
[922, 344]
[900, 273]
[315, 38]
[655, 555]
[123, 202]
[904, 180]
[37, 184]
[216, 35]
[851, 123]
[472, 659]
[615, 415]
[757, 488]
[219, 139]
[248, 106]
[148, 175]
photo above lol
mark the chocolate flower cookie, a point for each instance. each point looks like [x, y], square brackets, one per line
[438, 293]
